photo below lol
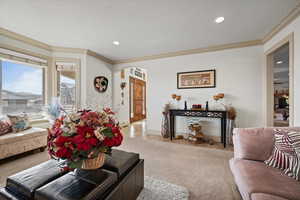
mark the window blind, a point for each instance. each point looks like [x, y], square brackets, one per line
[15, 56]
[64, 66]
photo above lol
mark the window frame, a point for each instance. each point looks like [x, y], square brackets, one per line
[77, 64]
[44, 82]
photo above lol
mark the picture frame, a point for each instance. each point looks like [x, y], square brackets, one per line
[196, 79]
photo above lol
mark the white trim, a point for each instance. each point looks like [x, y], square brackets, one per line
[192, 51]
[268, 94]
[284, 23]
[24, 39]
[77, 66]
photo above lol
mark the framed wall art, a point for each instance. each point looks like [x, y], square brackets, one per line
[101, 83]
[196, 79]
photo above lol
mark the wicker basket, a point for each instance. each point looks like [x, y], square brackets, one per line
[94, 163]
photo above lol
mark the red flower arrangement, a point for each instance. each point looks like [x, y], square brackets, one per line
[83, 135]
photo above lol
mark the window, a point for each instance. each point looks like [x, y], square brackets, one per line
[21, 88]
[67, 90]
[66, 79]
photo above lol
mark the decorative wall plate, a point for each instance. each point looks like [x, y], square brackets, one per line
[101, 83]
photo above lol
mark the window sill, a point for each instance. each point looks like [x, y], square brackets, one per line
[38, 121]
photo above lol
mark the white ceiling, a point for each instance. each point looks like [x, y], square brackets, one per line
[143, 27]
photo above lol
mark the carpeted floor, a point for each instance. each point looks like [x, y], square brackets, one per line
[155, 189]
[203, 171]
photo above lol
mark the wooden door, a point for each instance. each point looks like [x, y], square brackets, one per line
[137, 99]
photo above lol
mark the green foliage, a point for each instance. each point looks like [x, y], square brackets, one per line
[77, 164]
[66, 134]
[108, 132]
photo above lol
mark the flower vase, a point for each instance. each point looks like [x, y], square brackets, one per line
[94, 163]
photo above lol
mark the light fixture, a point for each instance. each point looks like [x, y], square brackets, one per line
[219, 20]
[279, 62]
[117, 43]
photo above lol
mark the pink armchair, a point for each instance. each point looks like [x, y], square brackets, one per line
[254, 179]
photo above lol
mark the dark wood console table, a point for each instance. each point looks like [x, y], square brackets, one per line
[199, 113]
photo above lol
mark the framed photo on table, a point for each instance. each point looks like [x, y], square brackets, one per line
[196, 79]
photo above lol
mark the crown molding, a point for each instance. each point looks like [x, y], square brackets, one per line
[39, 44]
[288, 39]
[192, 51]
[82, 51]
[36, 43]
[100, 57]
[284, 23]
[24, 39]
[65, 59]
[68, 50]
[24, 51]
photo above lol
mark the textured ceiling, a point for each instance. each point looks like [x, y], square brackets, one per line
[143, 27]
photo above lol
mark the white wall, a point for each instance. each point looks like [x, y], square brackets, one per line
[293, 27]
[96, 67]
[238, 76]
[122, 111]
[90, 67]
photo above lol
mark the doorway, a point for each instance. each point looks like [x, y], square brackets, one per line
[280, 96]
[137, 96]
[281, 86]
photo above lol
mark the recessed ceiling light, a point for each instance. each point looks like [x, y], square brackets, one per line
[117, 43]
[279, 62]
[219, 20]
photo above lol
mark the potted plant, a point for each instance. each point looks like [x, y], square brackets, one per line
[82, 139]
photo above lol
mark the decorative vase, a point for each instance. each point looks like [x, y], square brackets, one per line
[95, 163]
[165, 126]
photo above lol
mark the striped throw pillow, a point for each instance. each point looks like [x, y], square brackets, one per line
[294, 167]
[286, 153]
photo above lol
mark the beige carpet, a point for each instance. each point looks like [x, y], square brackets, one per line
[204, 171]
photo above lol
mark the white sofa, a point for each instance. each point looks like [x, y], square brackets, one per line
[16, 143]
